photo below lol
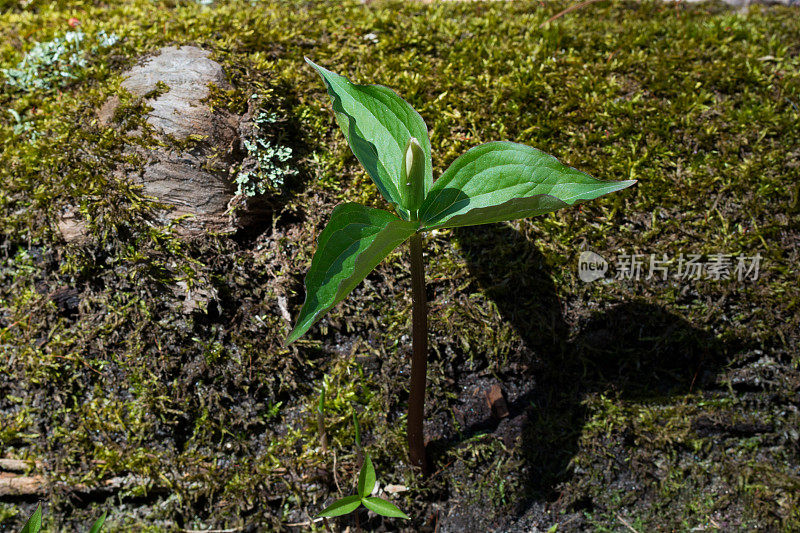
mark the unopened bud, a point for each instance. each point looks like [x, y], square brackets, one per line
[413, 176]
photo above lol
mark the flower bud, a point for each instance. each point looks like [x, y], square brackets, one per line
[413, 176]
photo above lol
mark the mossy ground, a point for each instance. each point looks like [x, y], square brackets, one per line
[652, 405]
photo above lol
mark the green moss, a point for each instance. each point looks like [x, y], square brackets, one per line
[215, 417]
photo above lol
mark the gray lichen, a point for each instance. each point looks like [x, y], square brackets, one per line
[270, 158]
[53, 64]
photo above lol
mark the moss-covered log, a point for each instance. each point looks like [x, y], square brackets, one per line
[137, 353]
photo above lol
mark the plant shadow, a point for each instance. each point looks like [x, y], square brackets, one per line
[628, 350]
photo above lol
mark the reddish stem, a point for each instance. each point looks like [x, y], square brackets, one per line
[419, 358]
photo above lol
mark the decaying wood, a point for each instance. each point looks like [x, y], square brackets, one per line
[16, 465]
[496, 401]
[194, 179]
[14, 485]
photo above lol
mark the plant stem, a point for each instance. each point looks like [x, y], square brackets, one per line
[323, 435]
[419, 357]
[321, 419]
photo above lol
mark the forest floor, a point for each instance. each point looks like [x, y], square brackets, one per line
[635, 403]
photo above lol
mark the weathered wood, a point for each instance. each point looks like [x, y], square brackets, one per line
[15, 465]
[13, 485]
[496, 401]
[194, 179]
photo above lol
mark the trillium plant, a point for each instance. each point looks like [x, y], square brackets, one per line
[366, 484]
[365, 487]
[34, 523]
[493, 182]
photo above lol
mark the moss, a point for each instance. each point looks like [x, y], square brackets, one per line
[665, 403]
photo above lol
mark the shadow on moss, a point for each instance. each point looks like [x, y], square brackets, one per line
[636, 351]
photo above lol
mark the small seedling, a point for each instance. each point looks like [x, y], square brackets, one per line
[98, 524]
[493, 182]
[323, 435]
[34, 523]
[366, 484]
[358, 430]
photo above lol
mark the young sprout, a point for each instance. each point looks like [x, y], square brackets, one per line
[34, 523]
[492, 182]
[364, 488]
[323, 435]
[358, 430]
[366, 484]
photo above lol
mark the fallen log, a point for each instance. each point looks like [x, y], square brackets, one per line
[12, 485]
[16, 465]
[15, 485]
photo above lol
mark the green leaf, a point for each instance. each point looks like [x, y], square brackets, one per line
[378, 125]
[501, 181]
[366, 478]
[98, 525]
[340, 507]
[382, 507]
[355, 240]
[34, 523]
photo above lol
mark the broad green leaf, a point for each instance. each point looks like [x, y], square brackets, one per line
[366, 478]
[339, 507]
[98, 525]
[378, 125]
[355, 240]
[34, 523]
[382, 507]
[501, 181]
